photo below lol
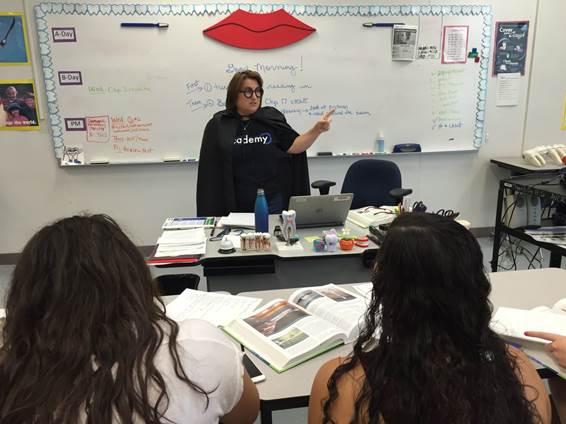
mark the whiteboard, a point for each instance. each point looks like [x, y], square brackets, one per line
[145, 95]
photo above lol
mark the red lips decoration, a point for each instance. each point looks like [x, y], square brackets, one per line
[259, 30]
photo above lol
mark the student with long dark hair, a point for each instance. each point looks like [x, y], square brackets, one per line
[86, 340]
[426, 353]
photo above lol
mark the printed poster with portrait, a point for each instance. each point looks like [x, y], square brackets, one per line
[19, 106]
[13, 40]
[510, 52]
[404, 42]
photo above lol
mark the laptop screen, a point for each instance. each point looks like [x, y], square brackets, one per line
[321, 211]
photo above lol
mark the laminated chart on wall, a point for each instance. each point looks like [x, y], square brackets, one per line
[120, 94]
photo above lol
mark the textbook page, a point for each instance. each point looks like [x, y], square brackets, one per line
[335, 305]
[218, 309]
[284, 334]
[364, 289]
[513, 322]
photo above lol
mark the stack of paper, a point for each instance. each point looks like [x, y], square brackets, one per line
[555, 235]
[181, 243]
[219, 309]
[372, 215]
[182, 223]
[238, 220]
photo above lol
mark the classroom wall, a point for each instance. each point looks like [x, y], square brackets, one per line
[34, 190]
[547, 92]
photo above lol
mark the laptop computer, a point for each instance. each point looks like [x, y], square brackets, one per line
[329, 210]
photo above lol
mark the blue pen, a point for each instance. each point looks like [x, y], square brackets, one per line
[144, 25]
[381, 24]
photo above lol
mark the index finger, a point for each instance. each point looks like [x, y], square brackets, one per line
[542, 335]
[329, 113]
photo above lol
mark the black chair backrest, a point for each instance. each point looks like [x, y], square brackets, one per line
[171, 284]
[371, 180]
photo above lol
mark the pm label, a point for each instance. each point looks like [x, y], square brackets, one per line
[75, 124]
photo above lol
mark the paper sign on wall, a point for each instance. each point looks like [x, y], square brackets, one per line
[454, 44]
[510, 52]
[508, 89]
[404, 42]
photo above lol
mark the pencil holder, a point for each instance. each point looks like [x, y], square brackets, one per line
[318, 245]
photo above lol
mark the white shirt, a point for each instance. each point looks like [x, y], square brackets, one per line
[210, 360]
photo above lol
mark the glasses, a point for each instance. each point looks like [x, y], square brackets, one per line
[249, 92]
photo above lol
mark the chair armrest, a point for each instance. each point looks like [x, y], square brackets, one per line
[399, 193]
[323, 186]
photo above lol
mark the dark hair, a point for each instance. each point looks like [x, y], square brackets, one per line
[236, 84]
[83, 325]
[427, 351]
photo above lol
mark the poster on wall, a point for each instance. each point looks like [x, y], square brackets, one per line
[404, 42]
[510, 51]
[19, 105]
[13, 39]
[454, 44]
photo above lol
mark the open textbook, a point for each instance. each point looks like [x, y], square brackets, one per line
[512, 323]
[285, 333]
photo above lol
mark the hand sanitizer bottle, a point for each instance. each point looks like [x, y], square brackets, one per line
[380, 143]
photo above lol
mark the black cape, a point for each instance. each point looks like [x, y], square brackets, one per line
[215, 184]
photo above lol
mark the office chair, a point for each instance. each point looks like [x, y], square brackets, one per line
[374, 182]
[171, 284]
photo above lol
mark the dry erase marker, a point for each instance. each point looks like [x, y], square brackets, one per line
[144, 25]
[381, 24]
[99, 162]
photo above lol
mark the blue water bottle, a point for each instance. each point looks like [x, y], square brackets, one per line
[261, 213]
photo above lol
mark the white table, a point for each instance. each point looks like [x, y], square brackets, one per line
[291, 389]
[519, 166]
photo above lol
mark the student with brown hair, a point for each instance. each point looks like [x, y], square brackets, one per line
[86, 340]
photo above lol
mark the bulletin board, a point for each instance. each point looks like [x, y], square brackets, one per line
[120, 95]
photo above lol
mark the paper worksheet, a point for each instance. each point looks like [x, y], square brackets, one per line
[218, 309]
[191, 236]
[508, 86]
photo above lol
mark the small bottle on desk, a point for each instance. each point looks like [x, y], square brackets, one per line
[261, 212]
[380, 143]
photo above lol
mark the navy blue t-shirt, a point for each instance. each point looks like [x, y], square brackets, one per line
[259, 152]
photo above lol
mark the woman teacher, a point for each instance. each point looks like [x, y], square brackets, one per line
[246, 147]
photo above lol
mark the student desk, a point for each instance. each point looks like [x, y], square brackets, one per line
[291, 389]
[278, 269]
